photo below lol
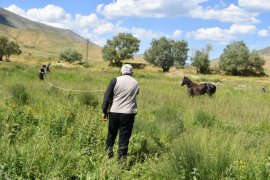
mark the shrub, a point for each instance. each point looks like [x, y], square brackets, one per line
[70, 55]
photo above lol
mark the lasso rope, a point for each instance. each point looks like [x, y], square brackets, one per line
[74, 90]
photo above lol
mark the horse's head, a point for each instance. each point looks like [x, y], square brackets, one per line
[184, 81]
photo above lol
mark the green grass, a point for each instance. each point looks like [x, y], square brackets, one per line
[56, 134]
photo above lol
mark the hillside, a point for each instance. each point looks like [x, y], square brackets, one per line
[40, 40]
[265, 51]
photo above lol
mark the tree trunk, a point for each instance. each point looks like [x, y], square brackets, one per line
[116, 63]
[165, 69]
[7, 58]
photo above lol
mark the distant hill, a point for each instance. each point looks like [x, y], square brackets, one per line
[265, 51]
[37, 39]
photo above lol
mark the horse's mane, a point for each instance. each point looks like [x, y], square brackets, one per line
[189, 82]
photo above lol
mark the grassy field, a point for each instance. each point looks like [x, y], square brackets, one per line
[47, 133]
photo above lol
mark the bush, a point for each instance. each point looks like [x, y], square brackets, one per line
[70, 55]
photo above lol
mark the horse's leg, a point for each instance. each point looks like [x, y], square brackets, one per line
[190, 92]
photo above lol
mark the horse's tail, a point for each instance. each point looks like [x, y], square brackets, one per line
[214, 88]
[211, 89]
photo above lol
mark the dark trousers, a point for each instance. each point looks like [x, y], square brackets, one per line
[124, 124]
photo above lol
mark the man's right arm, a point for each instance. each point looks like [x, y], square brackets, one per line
[108, 96]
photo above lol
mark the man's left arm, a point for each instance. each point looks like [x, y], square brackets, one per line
[108, 98]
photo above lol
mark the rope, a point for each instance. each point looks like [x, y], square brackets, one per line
[74, 90]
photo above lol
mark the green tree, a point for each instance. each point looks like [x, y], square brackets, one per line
[201, 60]
[70, 55]
[121, 47]
[256, 63]
[12, 48]
[237, 60]
[165, 52]
[180, 51]
[3, 45]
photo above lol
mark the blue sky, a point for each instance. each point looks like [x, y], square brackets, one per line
[200, 22]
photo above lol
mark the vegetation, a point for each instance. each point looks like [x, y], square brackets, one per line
[70, 55]
[49, 133]
[237, 60]
[121, 47]
[165, 52]
[201, 60]
[180, 52]
[7, 48]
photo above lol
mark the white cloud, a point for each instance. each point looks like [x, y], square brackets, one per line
[175, 8]
[89, 26]
[261, 5]
[232, 14]
[177, 33]
[49, 13]
[148, 8]
[222, 36]
[236, 29]
[264, 32]
[107, 27]
[142, 33]
[13, 8]
[86, 21]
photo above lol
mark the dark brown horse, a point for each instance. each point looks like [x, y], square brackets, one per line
[198, 89]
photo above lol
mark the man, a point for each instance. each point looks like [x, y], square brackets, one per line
[121, 97]
[41, 73]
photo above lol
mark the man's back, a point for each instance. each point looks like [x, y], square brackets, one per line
[124, 95]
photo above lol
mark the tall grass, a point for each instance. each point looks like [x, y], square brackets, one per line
[48, 133]
[19, 94]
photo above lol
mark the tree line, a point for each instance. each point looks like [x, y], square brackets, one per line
[8, 48]
[236, 58]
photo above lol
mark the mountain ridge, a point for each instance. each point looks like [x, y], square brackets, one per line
[41, 39]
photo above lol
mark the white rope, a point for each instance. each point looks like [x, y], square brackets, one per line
[74, 90]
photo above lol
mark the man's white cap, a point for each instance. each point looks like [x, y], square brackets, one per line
[126, 69]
